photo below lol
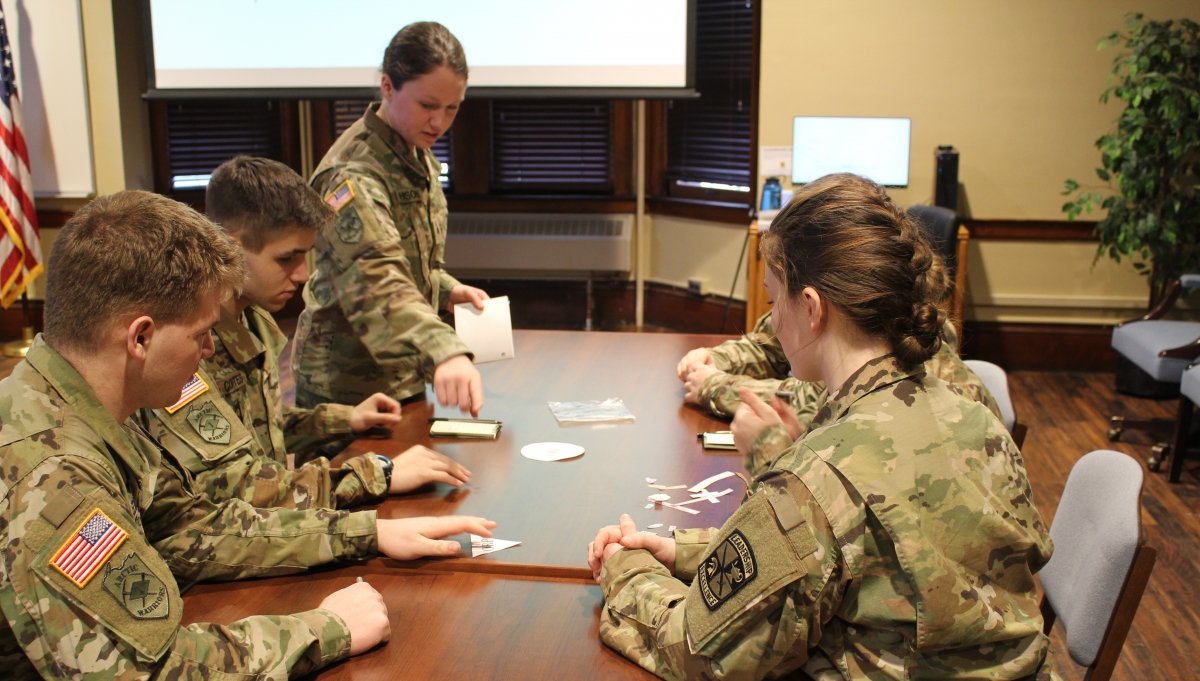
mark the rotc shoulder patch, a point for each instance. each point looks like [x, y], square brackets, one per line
[191, 390]
[338, 198]
[728, 569]
[137, 589]
[209, 423]
[349, 226]
[88, 548]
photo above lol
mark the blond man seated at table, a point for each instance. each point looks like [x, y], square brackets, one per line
[231, 430]
[134, 286]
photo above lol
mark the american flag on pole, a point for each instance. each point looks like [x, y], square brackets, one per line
[81, 557]
[20, 247]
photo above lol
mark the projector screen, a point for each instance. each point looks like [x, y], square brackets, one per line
[876, 148]
[315, 48]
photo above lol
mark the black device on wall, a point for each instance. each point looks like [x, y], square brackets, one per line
[945, 178]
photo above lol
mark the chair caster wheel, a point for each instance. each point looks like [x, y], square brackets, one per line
[1115, 427]
[1159, 453]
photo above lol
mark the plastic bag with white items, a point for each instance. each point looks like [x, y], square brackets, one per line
[591, 412]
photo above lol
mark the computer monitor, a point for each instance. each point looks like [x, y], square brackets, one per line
[876, 148]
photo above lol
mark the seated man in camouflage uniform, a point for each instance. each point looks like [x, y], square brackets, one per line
[134, 286]
[231, 430]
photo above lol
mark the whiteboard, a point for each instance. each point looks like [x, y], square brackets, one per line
[47, 41]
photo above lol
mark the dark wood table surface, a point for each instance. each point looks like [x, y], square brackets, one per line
[445, 625]
[555, 508]
[527, 612]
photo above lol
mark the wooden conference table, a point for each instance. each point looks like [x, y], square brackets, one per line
[534, 606]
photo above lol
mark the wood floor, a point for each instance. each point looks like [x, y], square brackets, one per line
[1067, 415]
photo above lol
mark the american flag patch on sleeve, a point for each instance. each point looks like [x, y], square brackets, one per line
[191, 390]
[339, 197]
[88, 548]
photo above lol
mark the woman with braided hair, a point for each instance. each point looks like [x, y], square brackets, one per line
[897, 539]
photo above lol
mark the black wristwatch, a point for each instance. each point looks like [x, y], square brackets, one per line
[387, 469]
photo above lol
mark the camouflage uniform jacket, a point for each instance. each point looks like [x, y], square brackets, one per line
[230, 434]
[897, 540]
[73, 475]
[808, 397]
[370, 322]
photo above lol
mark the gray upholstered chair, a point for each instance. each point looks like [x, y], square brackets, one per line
[1152, 353]
[1101, 563]
[1189, 397]
[996, 381]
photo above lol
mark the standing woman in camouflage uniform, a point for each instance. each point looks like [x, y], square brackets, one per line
[896, 540]
[370, 322]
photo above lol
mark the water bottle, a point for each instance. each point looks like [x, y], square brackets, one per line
[771, 194]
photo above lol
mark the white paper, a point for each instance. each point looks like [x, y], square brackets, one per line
[703, 484]
[551, 451]
[481, 545]
[487, 332]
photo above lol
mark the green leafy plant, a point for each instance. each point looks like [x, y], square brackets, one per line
[1151, 161]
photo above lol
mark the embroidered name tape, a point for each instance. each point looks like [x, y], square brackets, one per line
[191, 390]
[88, 548]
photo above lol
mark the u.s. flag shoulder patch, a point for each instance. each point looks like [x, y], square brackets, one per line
[88, 548]
[338, 198]
[191, 390]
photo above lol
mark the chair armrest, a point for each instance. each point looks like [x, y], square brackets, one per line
[1167, 302]
[1190, 352]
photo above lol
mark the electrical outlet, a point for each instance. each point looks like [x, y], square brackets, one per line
[697, 287]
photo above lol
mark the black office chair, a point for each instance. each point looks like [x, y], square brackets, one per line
[950, 238]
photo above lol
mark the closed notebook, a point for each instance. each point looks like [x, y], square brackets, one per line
[721, 439]
[486, 430]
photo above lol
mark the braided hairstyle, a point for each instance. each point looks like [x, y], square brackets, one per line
[843, 236]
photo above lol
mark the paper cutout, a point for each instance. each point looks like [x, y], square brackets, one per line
[703, 484]
[481, 545]
[551, 451]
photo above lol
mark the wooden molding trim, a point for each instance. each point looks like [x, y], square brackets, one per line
[12, 320]
[1030, 230]
[1040, 347]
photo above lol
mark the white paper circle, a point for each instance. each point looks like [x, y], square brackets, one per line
[551, 451]
[659, 497]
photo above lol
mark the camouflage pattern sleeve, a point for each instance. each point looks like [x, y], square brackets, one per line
[720, 394]
[757, 354]
[234, 466]
[307, 431]
[690, 545]
[756, 604]
[117, 615]
[376, 287]
[202, 540]
[766, 449]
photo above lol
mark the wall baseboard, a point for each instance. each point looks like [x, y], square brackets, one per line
[12, 320]
[1040, 347]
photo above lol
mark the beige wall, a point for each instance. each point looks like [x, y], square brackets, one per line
[1012, 84]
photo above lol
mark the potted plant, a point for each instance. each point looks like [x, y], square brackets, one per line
[1151, 162]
